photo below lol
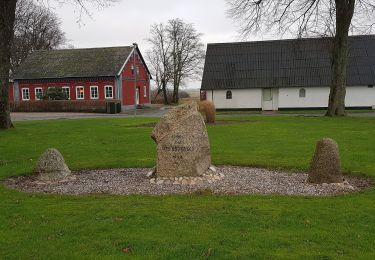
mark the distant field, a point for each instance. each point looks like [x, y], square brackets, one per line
[34, 226]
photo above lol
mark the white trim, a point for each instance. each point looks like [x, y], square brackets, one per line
[144, 91]
[77, 87]
[28, 90]
[68, 91]
[105, 91]
[97, 92]
[126, 61]
[36, 96]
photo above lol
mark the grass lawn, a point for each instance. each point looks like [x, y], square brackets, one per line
[311, 111]
[42, 226]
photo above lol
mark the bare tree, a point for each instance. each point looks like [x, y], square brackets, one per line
[7, 21]
[187, 53]
[160, 58]
[335, 18]
[7, 17]
[177, 54]
[35, 28]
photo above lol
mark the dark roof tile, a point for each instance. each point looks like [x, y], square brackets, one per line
[72, 63]
[285, 63]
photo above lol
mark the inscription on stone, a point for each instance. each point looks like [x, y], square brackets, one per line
[182, 143]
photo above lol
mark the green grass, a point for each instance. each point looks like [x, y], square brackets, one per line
[44, 226]
[296, 111]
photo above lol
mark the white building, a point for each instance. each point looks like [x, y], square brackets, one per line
[286, 74]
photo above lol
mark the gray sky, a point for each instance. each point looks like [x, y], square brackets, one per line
[125, 22]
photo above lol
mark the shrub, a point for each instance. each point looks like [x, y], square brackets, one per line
[95, 106]
[208, 109]
[158, 97]
[183, 94]
[55, 94]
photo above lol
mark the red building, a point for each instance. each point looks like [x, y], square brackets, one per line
[85, 74]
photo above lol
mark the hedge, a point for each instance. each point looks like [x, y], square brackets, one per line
[94, 106]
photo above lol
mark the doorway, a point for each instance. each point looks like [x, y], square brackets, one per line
[137, 96]
[270, 99]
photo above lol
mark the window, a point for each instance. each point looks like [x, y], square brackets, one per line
[132, 69]
[267, 94]
[229, 94]
[38, 93]
[25, 94]
[66, 91]
[144, 91]
[302, 93]
[80, 92]
[108, 92]
[94, 92]
[137, 70]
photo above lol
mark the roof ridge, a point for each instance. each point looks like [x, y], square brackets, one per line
[290, 40]
[79, 49]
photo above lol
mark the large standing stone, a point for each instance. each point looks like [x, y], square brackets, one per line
[325, 165]
[182, 142]
[51, 166]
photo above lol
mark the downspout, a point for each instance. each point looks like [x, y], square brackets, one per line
[135, 79]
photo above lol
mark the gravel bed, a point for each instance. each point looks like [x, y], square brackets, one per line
[237, 180]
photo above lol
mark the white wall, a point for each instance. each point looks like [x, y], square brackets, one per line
[241, 98]
[315, 97]
[361, 96]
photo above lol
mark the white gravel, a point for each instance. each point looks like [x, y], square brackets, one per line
[237, 180]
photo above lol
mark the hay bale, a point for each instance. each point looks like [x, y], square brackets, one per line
[208, 109]
[325, 165]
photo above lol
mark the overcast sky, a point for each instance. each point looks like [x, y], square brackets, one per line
[125, 22]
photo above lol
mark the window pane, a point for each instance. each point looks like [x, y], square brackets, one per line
[38, 93]
[94, 92]
[80, 93]
[25, 94]
[267, 94]
[108, 92]
[66, 91]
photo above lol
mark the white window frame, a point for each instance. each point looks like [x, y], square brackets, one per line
[77, 97]
[23, 96]
[68, 88]
[36, 96]
[97, 92]
[105, 91]
[144, 91]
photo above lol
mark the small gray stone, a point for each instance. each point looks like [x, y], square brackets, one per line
[325, 165]
[213, 168]
[51, 166]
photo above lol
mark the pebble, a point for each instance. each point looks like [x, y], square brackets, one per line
[227, 180]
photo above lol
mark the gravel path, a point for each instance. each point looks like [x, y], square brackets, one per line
[237, 180]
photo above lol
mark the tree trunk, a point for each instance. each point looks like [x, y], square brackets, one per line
[7, 16]
[175, 94]
[165, 92]
[344, 14]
